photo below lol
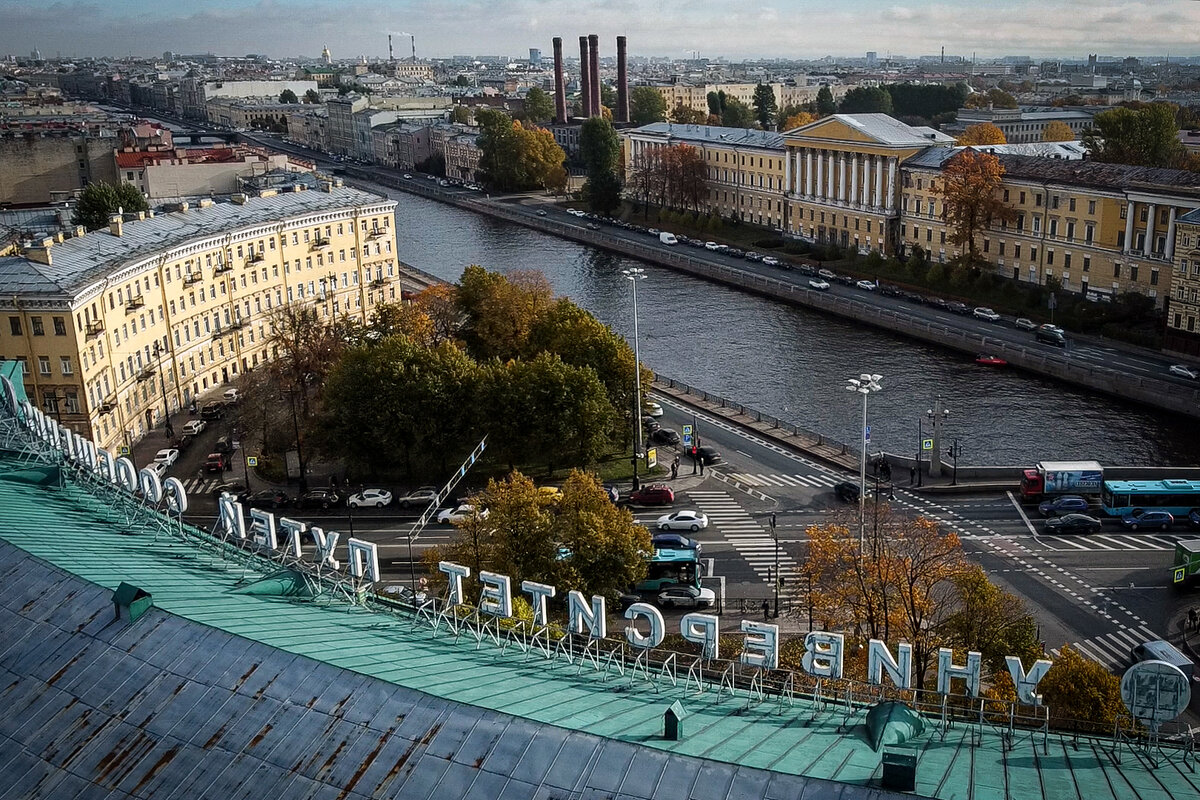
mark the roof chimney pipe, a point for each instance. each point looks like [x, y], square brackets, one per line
[594, 68]
[560, 88]
[622, 114]
[585, 94]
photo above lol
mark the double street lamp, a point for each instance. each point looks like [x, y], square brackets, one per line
[864, 384]
[633, 275]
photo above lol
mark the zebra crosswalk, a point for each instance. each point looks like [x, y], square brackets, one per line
[196, 486]
[747, 536]
[1112, 649]
[815, 481]
[1111, 541]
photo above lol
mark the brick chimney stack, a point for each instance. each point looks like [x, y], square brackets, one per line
[585, 93]
[594, 69]
[560, 88]
[622, 112]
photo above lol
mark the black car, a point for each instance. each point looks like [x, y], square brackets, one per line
[665, 436]
[650, 424]
[733, 251]
[956, 307]
[183, 442]
[848, 280]
[317, 498]
[267, 498]
[1194, 518]
[674, 541]
[846, 491]
[807, 269]
[707, 454]
[238, 490]
[1072, 523]
[212, 411]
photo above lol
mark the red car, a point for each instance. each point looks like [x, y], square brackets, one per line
[658, 494]
[217, 462]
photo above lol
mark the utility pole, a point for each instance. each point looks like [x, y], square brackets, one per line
[775, 536]
[162, 385]
[937, 415]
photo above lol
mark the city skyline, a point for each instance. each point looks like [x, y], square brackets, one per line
[285, 28]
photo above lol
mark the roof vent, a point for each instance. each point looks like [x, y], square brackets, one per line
[131, 602]
[183, 207]
[238, 199]
[80, 231]
[297, 187]
[115, 225]
[205, 203]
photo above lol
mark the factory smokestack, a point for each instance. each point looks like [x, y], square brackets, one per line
[585, 93]
[414, 46]
[622, 114]
[391, 56]
[560, 88]
[594, 69]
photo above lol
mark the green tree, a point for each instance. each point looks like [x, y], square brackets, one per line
[994, 98]
[608, 96]
[288, 96]
[514, 158]
[100, 201]
[600, 149]
[499, 310]
[685, 115]
[461, 80]
[765, 107]
[607, 547]
[1146, 137]
[460, 115]
[992, 622]
[646, 105]
[716, 103]
[926, 101]
[539, 107]
[825, 102]
[1078, 689]
[737, 114]
[866, 100]
[311, 96]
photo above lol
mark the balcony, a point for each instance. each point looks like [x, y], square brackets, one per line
[134, 304]
[222, 268]
[318, 243]
[192, 277]
[95, 328]
[379, 283]
[236, 325]
[107, 406]
[255, 258]
[146, 374]
[376, 233]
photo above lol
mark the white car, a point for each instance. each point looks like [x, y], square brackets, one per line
[866, 286]
[407, 176]
[232, 395]
[166, 457]
[1183, 371]
[463, 512]
[1025, 324]
[986, 313]
[194, 427]
[541, 212]
[653, 409]
[377, 498]
[418, 497]
[770, 261]
[682, 521]
[711, 246]
[819, 285]
[686, 597]
[158, 468]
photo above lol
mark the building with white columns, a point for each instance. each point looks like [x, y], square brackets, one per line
[841, 178]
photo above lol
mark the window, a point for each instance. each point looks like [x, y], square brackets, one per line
[1049, 257]
[1066, 260]
[1016, 251]
[1032, 253]
[1116, 270]
[1089, 231]
[1023, 198]
[1002, 248]
[35, 323]
[1070, 204]
[43, 365]
[1091, 207]
[1053, 227]
[1133, 272]
[60, 326]
[1154, 277]
[64, 363]
[1070, 231]
[1037, 200]
[14, 325]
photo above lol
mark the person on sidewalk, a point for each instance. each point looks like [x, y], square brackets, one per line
[1193, 618]
[674, 469]
[766, 607]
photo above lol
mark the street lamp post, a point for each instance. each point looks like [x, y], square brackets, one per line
[299, 450]
[162, 385]
[775, 536]
[633, 275]
[937, 415]
[864, 384]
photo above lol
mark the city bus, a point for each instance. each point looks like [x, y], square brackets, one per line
[1179, 497]
[669, 567]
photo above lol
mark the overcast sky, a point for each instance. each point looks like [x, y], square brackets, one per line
[765, 28]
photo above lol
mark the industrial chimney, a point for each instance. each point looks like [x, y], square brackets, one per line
[560, 88]
[391, 57]
[585, 94]
[594, 70]
[622, 114]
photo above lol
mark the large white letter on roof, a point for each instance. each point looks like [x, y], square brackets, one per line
[325, 544]
[760, 646]
[229, 519]
[580, 614]
[823, 654]
[658, 626]
[364, 559]
[455, 574]
[947, 670]
[538, 592]
[496, 595]
[879, 660]
[1027, 682]
[701, 629]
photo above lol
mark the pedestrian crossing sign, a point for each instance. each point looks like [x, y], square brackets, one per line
[1180, 574]
[252, 461]
[124, 449]
[927, 444]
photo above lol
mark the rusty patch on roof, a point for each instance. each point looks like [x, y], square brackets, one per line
[245, 677]
[163, 760]
[53, 679]
[366, 763]
[257, 740]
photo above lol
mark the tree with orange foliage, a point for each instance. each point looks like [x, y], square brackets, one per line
[983, 133]
[1078, 690]
[796, 120]
[970, 189]
[1058, 131]
[439, 303]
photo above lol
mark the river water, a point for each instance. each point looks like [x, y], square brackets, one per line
[793, 363]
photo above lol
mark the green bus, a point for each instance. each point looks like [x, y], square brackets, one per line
[671, 567]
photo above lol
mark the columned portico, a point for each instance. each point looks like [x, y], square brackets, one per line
[820, 193]
[877, 201]
[1148, 242]
[829, 190]
[890, 202]
[1130, 209]
[808, 172]
[866, 182]
[854, 195]
[842, 177]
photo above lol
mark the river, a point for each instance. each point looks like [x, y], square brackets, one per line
[793, 363]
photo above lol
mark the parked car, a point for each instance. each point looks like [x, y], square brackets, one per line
[158, 468]
[650, 424]
[166, 457]
[235, 488]
[418, 497]
[217, 462]
[232, 396]
[226, 444]
[770, 261]
[846, 280]
[212, 411]
[183, 442]
[371, 498]
[460, 513]
[686, 597]
[1067, 504]
[827, 274]
[846, 491]
[658, 494]
[1071, 524]
[686, 520]
[819, 284]
[266, 498]
[1051, 334]
[194, 427]
[674, 541]
[1148, 519]
[318, 498]
[707, 454]
[753, 256]
[541, 212]
[955, 307]
[711, 246]
[986, 313]
[1182, 371]
[866, 286]
[652, 408]
[1026, 324]
[665, 436]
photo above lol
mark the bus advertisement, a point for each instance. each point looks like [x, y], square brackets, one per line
[1177, 496]
[670, 567]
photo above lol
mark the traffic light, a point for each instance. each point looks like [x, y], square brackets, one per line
[695, 450]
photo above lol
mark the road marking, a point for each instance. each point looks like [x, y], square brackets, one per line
[1021, 511]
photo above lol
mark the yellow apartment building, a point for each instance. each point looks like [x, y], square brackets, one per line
[842, 178]
[1099, 229]
[1183, 307]
[695, 96]
[177, 304]
[745, 167]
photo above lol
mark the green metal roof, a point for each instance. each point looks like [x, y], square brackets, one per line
[70, 530]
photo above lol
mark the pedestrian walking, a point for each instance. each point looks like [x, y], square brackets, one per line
[766, 607]
[912, 475]
[1193, 618]
[675, 469]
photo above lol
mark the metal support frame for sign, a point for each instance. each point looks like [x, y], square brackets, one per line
[787, 692]
[431, 510]
[615, 661]
[695, 675]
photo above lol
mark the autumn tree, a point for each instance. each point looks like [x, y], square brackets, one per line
[992, 98]
[607, 546]
[97, 202]
[826, 105]
[686, 115]
[499, 310]
[513, 157]
[982, 133]
[970, 188]
[1058, 131]
[797, 120]
[1146, 137]
[1079, 690]
[439, 303]
[765, 106]
[646, 105]
[400, 319]
[991, 621]
[539, 107]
